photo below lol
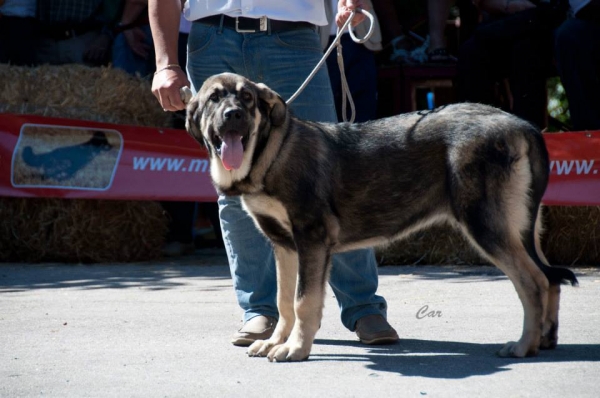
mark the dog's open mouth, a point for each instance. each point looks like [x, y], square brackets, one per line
[232, 150]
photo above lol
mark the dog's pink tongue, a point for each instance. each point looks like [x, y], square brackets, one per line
[232, 151]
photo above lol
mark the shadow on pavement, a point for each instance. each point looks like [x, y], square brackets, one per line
[451, 273]
[449, 359]
[17, 278]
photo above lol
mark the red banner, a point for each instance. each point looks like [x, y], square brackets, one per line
[574, 165]
[52, 157]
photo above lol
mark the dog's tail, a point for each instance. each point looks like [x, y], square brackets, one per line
[540, 168]
[31, 158]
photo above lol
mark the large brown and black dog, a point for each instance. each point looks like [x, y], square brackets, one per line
[315, 189]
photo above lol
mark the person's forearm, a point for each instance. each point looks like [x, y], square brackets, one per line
[164, 18]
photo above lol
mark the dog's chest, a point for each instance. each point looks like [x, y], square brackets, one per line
[269, 214]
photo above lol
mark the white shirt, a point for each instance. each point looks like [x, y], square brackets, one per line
[312, 11]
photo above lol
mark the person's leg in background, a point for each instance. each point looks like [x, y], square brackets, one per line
[438, 11]
[180, 236]
[474, 75]
[482, 63]
[577, 53]
[393, 30]
[124, 57]
[530, 62]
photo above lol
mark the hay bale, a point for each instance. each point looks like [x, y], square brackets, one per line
[571, 237]
[437, 245]
[73, 91]
[80, 230]
[41, 229]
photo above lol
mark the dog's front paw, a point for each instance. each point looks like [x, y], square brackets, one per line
[260, 348]
[288, 353]
[515, 349]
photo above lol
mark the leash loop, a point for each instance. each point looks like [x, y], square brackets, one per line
[336, 43]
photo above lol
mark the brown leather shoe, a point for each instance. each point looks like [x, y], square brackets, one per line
[374, 329]
[258, 328]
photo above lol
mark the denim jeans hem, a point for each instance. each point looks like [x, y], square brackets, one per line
[254, 313]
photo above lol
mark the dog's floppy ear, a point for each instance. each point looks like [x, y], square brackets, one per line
[192, 118]
[277, 106]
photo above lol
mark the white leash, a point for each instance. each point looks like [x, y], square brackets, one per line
[336, 42]
[186, 93]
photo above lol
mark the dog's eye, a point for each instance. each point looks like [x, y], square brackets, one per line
[246, 96]
[214, 97]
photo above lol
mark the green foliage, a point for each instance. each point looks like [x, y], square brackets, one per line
[558, 106]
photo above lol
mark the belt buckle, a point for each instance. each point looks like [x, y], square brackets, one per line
[262, 25]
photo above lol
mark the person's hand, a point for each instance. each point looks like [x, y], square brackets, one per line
[345, 8]
[97, 52]
[166, 85]
[136, 40]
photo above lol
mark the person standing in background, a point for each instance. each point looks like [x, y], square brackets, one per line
[577, 54]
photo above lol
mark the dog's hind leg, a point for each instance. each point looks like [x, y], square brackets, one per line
[550, 329]
[314, 263]
[496, 225]
[496, 196]
[508, 253]
[539, 166]
[286, 261]
[533, 290]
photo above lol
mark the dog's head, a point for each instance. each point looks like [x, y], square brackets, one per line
[228, 115]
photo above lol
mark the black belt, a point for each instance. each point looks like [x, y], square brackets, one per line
[254, 25]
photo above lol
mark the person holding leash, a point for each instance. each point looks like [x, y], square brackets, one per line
[276, 43]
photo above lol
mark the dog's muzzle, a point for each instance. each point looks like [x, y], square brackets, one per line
[231, 150]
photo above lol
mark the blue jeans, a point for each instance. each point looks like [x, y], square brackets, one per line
[281, 61]
[124, 58]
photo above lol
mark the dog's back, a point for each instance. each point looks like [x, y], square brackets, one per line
[394, 174]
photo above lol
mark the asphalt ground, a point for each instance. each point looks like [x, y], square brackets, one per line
[162, 329]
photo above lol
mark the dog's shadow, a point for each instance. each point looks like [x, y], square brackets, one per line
[448, 359]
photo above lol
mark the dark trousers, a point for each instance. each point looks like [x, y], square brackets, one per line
[577, 52]
[500, 51]
[361, 74]
[181, 221]
[17, 38]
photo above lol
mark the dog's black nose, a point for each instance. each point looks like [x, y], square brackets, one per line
[232, 113]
